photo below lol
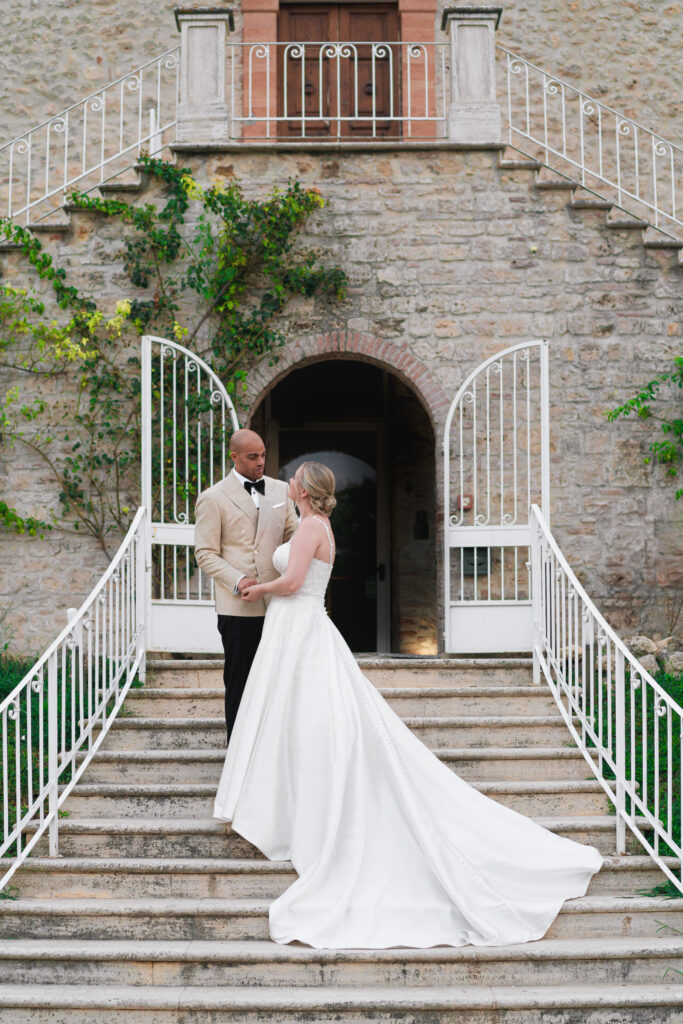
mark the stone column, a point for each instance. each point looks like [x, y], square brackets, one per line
[473, 113]
[203, 114]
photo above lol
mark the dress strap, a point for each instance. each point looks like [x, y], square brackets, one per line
[328, 532]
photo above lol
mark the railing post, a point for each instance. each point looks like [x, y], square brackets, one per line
[545, 432]
[473, 113]
[203, 114]
[52, 754]
[145, 577]
[536, 584]
[620, 753]
[141, 596]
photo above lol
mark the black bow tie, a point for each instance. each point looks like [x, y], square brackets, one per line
[260, 486]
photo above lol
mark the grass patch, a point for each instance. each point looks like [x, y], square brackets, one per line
[25, 768]
[646, 729]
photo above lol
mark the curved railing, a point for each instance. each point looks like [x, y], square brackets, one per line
[61, 711]
[588, 142]
[627, 726]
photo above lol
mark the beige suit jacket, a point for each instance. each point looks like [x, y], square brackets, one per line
[233, 538]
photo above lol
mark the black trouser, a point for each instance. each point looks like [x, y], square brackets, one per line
[241, 635]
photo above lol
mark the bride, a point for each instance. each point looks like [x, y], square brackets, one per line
[390, 846]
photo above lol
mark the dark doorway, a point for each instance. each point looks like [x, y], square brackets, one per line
[377, 439]
[349, 91]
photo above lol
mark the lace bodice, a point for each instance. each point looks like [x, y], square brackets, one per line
[319, 572]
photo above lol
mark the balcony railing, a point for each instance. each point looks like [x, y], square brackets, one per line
[341, 91]
[338, 90]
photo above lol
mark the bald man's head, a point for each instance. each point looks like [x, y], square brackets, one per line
[248, 454]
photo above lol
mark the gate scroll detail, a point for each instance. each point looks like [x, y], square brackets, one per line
[187, 420]
[496, 465]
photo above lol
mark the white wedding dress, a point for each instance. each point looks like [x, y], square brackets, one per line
[391, 847]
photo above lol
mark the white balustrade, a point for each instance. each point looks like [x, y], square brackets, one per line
[91, 141]
[60, 712]
[627, 726]
[343, 90]
[602, 150]
[338, 89]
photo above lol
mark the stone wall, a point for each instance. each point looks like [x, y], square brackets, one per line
[57, 51]
[450, 258]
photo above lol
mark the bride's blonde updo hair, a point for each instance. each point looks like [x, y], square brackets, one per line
[319, 481]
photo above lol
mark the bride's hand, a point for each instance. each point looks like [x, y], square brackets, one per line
[253, 593]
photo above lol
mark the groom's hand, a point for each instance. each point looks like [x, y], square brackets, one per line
[253, 592]
[245, 582]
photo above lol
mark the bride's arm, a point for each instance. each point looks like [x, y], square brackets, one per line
[304, 544]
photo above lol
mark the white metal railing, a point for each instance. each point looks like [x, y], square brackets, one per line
[627, 726]
[496, 462]
[336, 89]
[61, 711]
[91, 141]
[578, 136]
[188, 418]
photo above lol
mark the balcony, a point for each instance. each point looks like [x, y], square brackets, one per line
[215, 91]
[337, 91]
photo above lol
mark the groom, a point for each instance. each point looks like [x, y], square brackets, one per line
[238, 524]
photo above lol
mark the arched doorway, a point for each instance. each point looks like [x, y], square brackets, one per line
[373, 432]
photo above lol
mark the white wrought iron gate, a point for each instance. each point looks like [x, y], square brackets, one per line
[187, 420]
[496, 464]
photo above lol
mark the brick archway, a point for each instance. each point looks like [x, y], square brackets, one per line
[352, 344]
[357, 397]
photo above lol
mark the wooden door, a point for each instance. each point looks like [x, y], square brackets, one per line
[336, 83]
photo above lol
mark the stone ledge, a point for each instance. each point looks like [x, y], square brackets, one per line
[375, 999]
[257, 951]
[332, 146]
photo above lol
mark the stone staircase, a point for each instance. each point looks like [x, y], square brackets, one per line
[156, 913]
[132, 184]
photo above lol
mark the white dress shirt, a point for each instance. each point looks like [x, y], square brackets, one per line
[245, 480]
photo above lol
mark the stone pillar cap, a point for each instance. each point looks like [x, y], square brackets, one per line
[478, 9]
[226, 12]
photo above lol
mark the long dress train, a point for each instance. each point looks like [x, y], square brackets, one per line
[390, 846]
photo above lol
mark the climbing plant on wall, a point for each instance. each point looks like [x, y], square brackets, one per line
[209, 266]
[667, 448]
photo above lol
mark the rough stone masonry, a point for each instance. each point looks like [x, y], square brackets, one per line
[450, 257]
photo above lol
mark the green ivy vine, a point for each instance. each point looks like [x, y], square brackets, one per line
[667, 450]
[235, 262]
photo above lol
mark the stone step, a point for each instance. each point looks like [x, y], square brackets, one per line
[619, 960]
[442, 731]
[187, 800]
[251, 878]
[475, 763]
[582, 199]
[473, 1004]
[54, 228]
[196, 837]
[655, 239]
[163, 918]
[209, 702]
[115, 186]
[381, 671]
